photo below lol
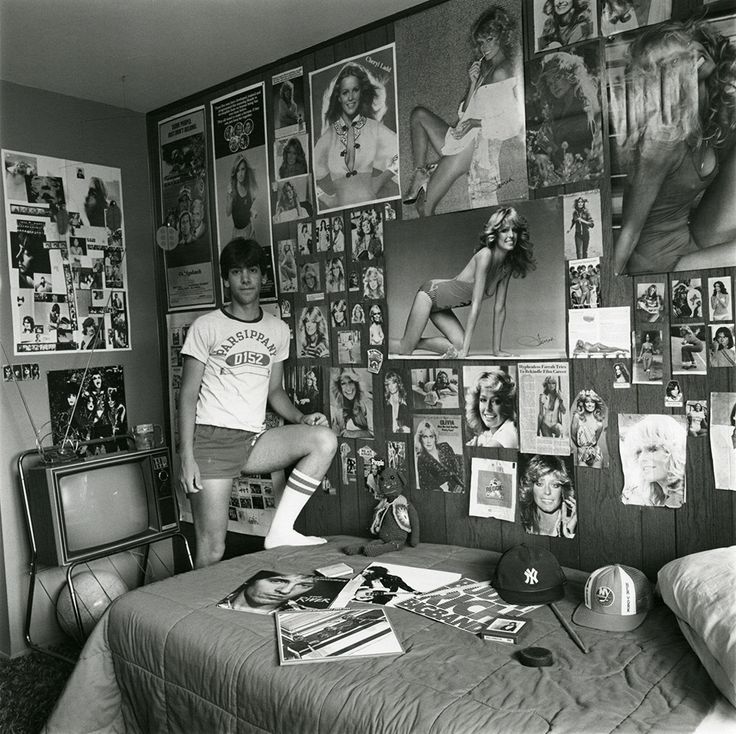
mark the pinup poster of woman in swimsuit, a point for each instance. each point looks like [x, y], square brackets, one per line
[420, 250]
[242, 189]
[355, 158]
[461, 112]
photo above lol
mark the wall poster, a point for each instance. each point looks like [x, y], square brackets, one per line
[185, 207]
[242, 188]
[66, 246]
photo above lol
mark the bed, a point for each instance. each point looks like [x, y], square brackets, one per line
[165, 658]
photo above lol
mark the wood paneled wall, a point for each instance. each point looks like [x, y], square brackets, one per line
[608, 531]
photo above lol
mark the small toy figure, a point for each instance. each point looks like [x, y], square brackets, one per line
[395, 521]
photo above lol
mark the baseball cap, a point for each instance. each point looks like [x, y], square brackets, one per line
[616, 599]
[528, 575]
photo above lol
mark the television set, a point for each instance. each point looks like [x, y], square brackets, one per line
[87, 508]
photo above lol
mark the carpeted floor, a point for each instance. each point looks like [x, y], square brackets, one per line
[29, 687]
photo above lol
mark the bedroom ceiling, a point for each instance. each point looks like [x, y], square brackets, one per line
[143, 54]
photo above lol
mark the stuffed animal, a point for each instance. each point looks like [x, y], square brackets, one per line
[395, 520]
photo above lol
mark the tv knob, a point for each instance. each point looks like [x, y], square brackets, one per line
[163, 475]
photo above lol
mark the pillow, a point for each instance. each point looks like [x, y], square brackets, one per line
[701, 591]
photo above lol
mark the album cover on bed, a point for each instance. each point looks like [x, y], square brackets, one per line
[268, 591]
[305, 636]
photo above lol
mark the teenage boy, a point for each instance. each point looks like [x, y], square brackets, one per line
[233, 365]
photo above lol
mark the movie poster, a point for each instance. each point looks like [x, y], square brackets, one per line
[653, 457]
[65, 229]
[461, 111]
[87, 405]
[438, 453]
[439, 248]
[493, 489]
[544, 420]
[242, 178]
[185, 209]
[354, 141]
[723, 438]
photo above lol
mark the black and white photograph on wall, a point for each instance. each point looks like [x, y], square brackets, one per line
[687, 299]
[374, 288]
[87, 405]
[589, 430]
[518, 252]
[185, 211]
[649, 358]
[396, 451]
[687, 349]
[291, 156]
[357, 315]
[671, 125]
[650, 302]
[438, 453]
[312, 332]
[338, 234]
[461, 111]
[562, 22]
[621, 374]
[601, 333]
[434, 388]
[348, 463]
[285, 309]
[348, 346]
[618, 16]
[366, 234]
[310, 280]
[303, 384]
[673, 395]
[721, 298]
[582, 221]
[288, 102]
[339, 313]
[351, 402]
[544, 420]
[305, 239]
[723, 438]
[376, 334]
[335, 281]
[396, 407]
[585, 283]
[242, 179]
[563, 117]
[547, 501]
[287, 268]
[696, 412]
[653, 457]
[323, 234]
[354, 126]
[490, 406]
[721, 351]
[492, 489]
[292, 200]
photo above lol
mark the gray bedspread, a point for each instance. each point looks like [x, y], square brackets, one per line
[165, 658]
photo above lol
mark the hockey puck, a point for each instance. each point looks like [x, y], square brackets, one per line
[535, 657]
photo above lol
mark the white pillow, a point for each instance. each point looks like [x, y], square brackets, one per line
[701, 591]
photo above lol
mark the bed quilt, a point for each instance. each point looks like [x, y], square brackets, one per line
[165, 658]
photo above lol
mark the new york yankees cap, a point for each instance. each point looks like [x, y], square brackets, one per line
[616, 599]
[529, 575]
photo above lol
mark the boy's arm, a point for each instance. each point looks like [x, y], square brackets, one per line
[188, 394]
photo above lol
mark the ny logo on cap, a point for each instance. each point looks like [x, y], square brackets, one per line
[530, 576]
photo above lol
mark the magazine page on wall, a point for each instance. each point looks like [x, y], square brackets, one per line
[242, 188]
[461, 111]
[66, 254]
[676, 166]
[431, 267]
[354, 126]
[185, 210]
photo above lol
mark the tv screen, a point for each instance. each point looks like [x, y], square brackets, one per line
[102, 505]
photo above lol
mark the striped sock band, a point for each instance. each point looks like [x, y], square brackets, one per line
[300, 482]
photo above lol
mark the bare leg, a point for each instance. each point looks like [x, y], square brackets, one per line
[209, 511]
[449, 169]
[311, 449]
[416, 322]
[426, 129]
[717, 256]
[450, 326]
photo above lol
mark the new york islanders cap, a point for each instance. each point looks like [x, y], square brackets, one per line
[616, 599]
[528, 575]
